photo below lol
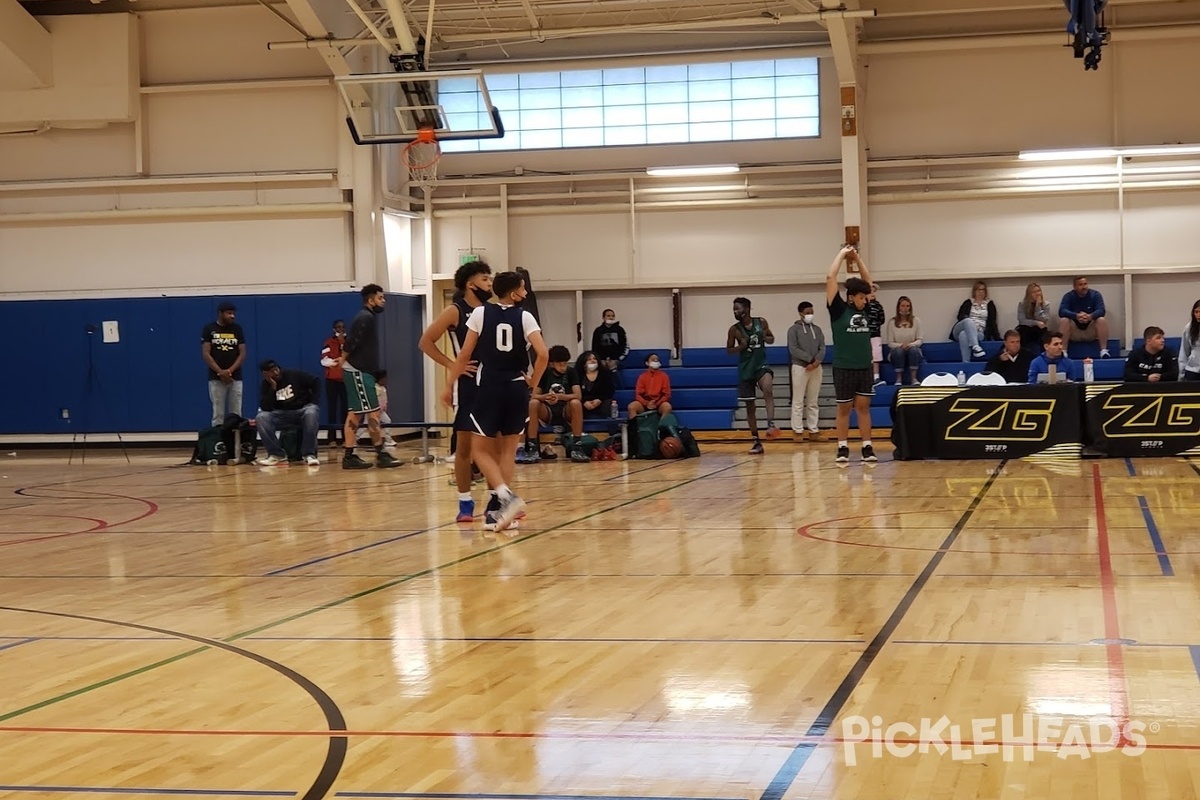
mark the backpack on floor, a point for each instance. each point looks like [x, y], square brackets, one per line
[210, 447]
[644, 435]
[670, 426]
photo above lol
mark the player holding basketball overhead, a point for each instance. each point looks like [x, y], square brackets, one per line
[497, 337]
[360, 364]
[748, 338]
[853, 382]
[473, 288]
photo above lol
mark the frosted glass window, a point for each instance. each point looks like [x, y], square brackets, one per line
[662, 104]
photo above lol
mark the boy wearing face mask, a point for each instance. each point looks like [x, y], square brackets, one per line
[610, 344]
[653, 392]
[748, 339]
[806, 347]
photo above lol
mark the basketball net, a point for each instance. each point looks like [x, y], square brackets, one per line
[421, 156]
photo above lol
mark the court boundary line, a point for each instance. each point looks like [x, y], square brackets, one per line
[790, 769]
[4, 717]
[1118, 686]
[335, 755]
[1164, 560]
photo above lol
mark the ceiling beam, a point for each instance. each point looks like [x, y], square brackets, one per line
[25, 56]
[692, 25]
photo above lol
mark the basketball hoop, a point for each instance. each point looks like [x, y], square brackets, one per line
[421, 156]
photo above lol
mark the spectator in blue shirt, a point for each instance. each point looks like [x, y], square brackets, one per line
[1052, 355]
[1081, 316]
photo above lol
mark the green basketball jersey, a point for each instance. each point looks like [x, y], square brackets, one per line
[851, 335]
[753, 360]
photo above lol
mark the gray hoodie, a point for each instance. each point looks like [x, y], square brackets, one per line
[806, 343]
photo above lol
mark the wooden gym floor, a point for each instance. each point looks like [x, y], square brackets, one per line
[723, 627]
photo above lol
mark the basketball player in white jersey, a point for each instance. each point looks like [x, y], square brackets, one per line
[498, 336]
[473, 288]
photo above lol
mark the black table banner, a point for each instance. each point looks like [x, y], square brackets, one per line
[1014, 421]
[1124, 420]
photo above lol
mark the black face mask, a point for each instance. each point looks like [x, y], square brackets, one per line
[482, 295]
[375, 309]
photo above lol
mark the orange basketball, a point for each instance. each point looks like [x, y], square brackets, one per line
[670, 447]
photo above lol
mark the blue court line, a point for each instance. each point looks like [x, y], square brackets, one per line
[1195, 651]
[790, 769]
[1129, 466]
[482, 796]
[152, 791]
[1164, 561]
[11, 645]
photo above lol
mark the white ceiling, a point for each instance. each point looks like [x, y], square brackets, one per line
[519, 30]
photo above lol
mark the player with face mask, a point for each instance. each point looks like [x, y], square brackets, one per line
[806, 349]
[473, 288]
[748, 339]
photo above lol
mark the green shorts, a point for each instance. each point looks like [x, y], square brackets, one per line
[360, 390]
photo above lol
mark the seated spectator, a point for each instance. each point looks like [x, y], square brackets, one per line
[653, 392]
[557, 401]
[1012, 362]
[287, 399]
[1052, 356]
[976, 323]
[1189, 348]
[1081, 316]
[1153, 361]
[610, 344]
[876, 317]
[596, 387]
[1033, 316]
[902, 334]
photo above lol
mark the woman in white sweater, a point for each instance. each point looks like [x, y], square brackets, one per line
[902, 334]
[1189, 348]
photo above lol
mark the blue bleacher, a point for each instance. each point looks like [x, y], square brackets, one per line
[704, 393]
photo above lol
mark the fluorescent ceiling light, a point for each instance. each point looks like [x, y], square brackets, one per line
[685, 172]
[1108, 152]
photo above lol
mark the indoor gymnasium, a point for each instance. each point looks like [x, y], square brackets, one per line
[600, 400]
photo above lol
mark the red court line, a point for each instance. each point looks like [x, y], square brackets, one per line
[1117, 685]
[806, 532]
[101, 525]
[594, 735]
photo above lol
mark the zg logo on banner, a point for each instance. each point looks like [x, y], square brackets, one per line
[995, 419]
[1136, 416]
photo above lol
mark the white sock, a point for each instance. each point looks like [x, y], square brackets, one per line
[1104, 352]
[464, 496]
[504, 493]
[843, 443]
[866, 443]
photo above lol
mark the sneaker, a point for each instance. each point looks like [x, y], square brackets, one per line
[773, 432]
[843, 455]
[508, 512]
[466, 511]
[579, 456]
[757, 450]
[312, 461]
[878, 382]
[490, 522]
[528, 454]
[978, 352]
[476, 475]
[548, 454]
[355, 461]
[271, 461]
[868, 453]
[387, 461]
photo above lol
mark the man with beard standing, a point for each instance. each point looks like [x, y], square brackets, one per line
[360, 363]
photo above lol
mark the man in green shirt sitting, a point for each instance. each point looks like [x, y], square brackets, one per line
[853, 382]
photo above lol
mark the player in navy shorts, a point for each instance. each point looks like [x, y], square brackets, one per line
[498, 337]
[473, 288]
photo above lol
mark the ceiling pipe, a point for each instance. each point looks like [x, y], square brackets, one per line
[985, 42]
[239, 212]
[650, 27]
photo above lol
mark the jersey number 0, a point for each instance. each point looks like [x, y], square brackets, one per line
[504, 337]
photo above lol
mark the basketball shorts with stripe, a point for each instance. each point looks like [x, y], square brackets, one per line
[500, 409]
[465, 392]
